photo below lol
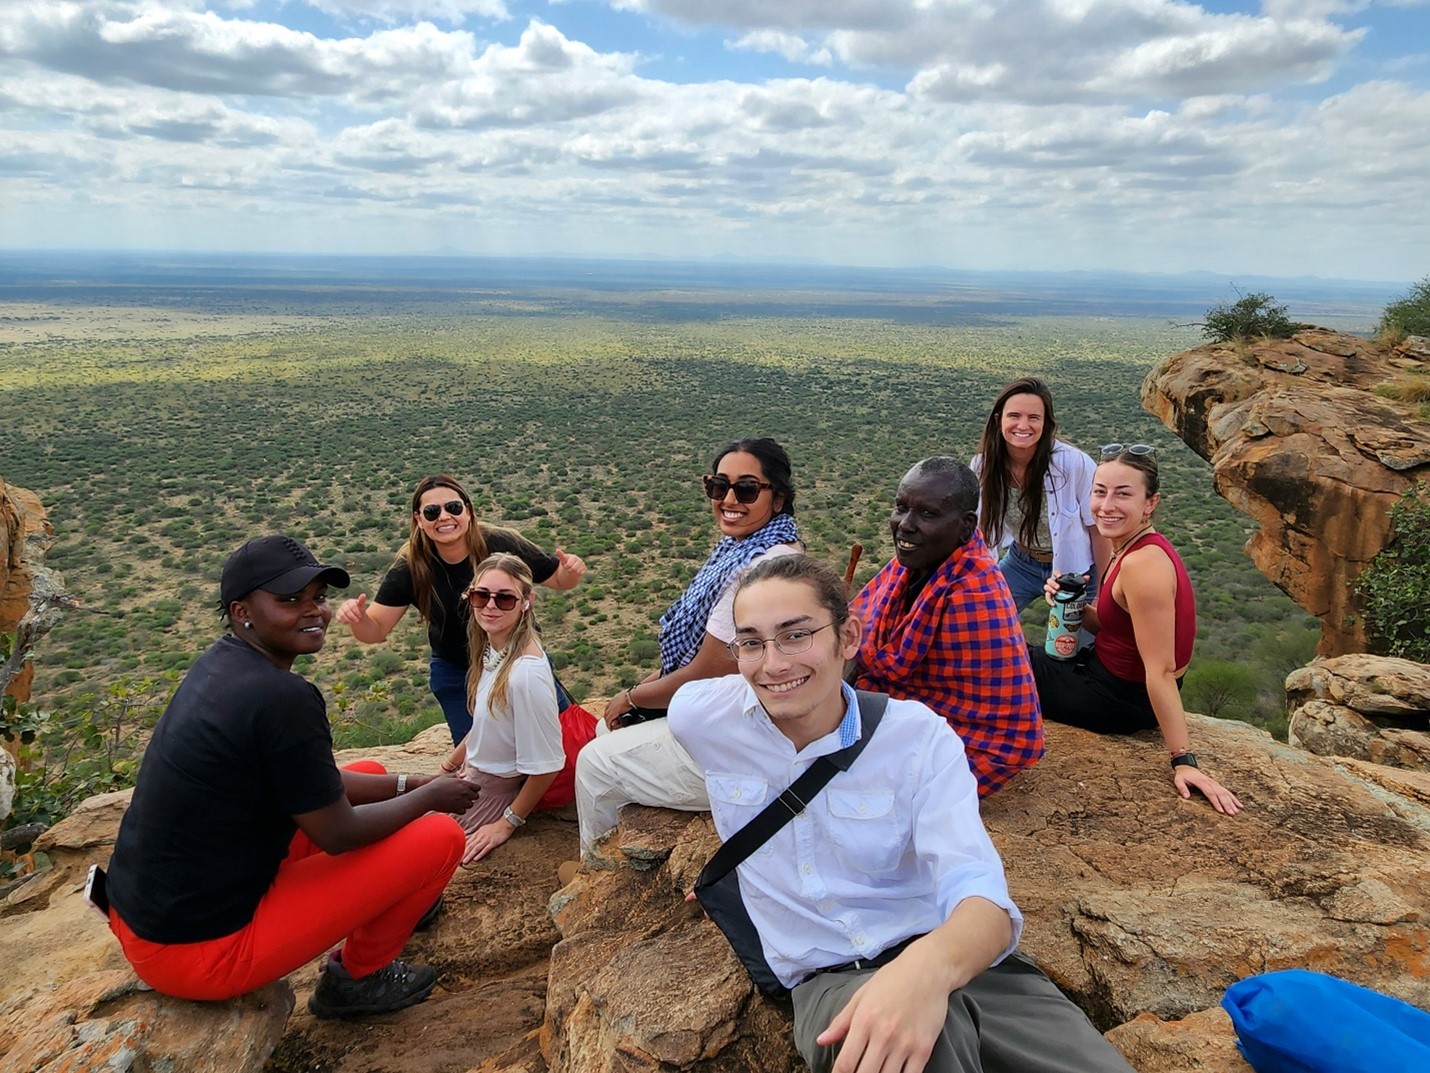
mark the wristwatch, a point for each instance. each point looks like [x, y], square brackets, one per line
[1185, 760]
[512, 818]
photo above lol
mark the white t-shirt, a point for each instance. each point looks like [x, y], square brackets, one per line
[523, 736]
[721, 622]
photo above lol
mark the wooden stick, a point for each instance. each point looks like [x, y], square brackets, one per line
[854, 553]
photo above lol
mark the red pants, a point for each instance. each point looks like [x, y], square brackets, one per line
[373, 896]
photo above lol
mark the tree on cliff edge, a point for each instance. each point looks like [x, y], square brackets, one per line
[1409, 315]
[1251, 317]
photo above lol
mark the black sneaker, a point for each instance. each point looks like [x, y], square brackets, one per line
[394, 987]
[427, 919]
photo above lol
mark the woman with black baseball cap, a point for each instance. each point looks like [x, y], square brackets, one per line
[245, 851]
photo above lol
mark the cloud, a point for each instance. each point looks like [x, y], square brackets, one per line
[147, 43]
[452, 11]
[792, 47]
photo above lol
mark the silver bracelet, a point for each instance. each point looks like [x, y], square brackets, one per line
[401, 784]
[512, 818]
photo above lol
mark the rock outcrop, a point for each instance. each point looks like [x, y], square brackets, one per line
[1140, 905]
[1370, 708]
[1300, 442]
[25, 534]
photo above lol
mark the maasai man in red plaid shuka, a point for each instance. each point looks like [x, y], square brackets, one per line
[940, 625]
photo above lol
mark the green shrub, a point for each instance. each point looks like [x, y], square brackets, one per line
[1396, 585]
[1220, 689]
[1409, 315]
[1252, 316]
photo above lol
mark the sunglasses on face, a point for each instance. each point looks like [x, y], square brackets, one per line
[505, 601]
[433, 511]
[747, 489]
[1111, 450]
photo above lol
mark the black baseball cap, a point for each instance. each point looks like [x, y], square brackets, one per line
[274, 564]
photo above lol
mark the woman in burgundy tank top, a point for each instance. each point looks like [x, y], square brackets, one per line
[1145, 622]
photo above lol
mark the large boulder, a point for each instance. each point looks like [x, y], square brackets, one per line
[1300, 442]
[25, 535]
[1371, 708]
[1142, 906]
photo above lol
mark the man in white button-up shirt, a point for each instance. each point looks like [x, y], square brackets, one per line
[883, 904]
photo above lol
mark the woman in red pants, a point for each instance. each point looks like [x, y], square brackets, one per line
[245, 851]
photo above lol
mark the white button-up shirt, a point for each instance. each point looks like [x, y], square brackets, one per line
[884, 852]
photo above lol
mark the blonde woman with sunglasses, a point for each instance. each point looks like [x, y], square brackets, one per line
[513, 751]
[445, 543]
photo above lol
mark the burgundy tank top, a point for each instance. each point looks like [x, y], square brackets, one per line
[1116, 647]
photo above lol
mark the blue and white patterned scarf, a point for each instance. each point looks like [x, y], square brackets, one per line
[682, 627]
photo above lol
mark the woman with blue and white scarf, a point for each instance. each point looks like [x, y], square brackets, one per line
[634, 760]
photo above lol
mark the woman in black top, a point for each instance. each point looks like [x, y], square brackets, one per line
[245, 851]
[445, 543]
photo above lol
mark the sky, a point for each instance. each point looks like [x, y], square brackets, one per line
[1290, 137]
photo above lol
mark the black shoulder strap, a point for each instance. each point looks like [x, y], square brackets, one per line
[794, 800]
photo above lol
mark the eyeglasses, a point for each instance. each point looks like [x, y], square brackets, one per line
[747, 489]
[1110, 450]
[505, 601]
[433, 511]
[790, 642]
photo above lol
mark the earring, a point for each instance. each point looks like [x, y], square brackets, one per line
[248, 625]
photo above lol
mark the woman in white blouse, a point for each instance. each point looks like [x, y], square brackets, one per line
[514, 749]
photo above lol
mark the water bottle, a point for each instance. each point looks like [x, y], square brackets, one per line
[1065, 617]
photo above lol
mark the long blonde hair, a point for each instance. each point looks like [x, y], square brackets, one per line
[521, 637]
[421, 553]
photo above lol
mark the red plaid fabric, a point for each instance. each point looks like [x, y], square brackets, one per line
[960, 650]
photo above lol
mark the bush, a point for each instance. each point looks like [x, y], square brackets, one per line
[1253, 316]
[1396, 585]
[1410, 315]
[1220, 689]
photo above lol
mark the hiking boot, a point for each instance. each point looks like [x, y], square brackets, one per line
[427, 919]
[393, 987]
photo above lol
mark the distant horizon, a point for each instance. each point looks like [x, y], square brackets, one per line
[1227, 278]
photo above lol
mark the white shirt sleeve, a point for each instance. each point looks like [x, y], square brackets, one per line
[531, 694]
[720, 623]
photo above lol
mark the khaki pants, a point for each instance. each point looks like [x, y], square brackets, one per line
[636, 765]
[1009, 1019]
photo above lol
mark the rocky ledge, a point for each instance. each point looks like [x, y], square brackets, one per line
[1300, 441]
[1142, 906]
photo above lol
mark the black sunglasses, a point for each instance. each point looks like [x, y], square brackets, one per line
[505, 601]
[1110, 450]
[433, 511]
[747, 489]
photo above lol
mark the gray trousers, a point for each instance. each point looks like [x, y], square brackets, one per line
[1009, 1019]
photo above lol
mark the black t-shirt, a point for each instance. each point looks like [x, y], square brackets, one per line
[242, 748]
[447, 631]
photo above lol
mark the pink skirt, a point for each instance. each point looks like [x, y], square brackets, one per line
[497, 792]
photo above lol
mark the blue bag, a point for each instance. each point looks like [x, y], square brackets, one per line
[1295, 1021]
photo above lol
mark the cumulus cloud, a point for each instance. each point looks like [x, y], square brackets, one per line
[453, 11]
[1108, 126]
[791, 46]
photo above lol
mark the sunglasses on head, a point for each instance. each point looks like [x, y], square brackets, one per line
[1110, 450]
[505, 601]
[747, 489]
[433, 511]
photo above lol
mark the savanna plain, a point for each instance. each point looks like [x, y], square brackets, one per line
[164, 423]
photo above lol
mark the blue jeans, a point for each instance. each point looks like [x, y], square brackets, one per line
[449, 686]
[1025, 575]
